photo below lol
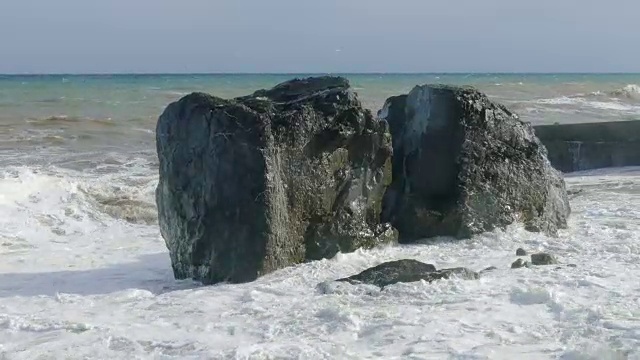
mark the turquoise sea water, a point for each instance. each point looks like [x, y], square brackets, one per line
[76, 114]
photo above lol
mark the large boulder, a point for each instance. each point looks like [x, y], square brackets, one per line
[463, 165]
[261, 182]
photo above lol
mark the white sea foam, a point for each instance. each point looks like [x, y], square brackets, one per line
[77, 282]
[622, 100]
[581, 102]
[629, 91]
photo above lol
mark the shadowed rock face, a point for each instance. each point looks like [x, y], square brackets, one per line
[463, 165]
[261, 182]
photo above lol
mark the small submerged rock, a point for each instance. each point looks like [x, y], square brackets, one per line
[407, 270]
[521, 252]
[543, 259]
[537, 259]
[564, 266]
[459, 272]
[490, 268]
[519, 264]
[572, 193]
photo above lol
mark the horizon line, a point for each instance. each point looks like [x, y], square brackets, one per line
[318, 73]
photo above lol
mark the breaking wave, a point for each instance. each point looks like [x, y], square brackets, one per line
[627, 92]
[624, 100]
[631, 91]
[591, 103]
[60, 202]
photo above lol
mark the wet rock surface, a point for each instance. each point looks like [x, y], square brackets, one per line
[257, 183]
[406, 271]
[543, 259]
[463, 165]
[302, 171]
[537, 259]
[490, 268]
[519, 263]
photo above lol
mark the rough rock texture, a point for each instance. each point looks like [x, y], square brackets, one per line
[405, 271]
[586, 146]
[521, 252]
[543, 259]
[261, 182]
[463, 165]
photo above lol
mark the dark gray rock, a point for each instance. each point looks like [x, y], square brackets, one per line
[406, 271]
[463, 165]
[543, 259]
[261, 182]
[519, 263]
[574, 193]
[521, 252]
[490, 268]
[459, 272]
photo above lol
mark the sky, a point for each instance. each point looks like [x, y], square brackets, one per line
[301, 36]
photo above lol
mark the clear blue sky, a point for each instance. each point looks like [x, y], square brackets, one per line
[105, 36]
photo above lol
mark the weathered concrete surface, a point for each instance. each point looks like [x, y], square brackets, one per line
[586, 146]
[257, 183]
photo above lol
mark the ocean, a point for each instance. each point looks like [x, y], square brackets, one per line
[84, 272]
